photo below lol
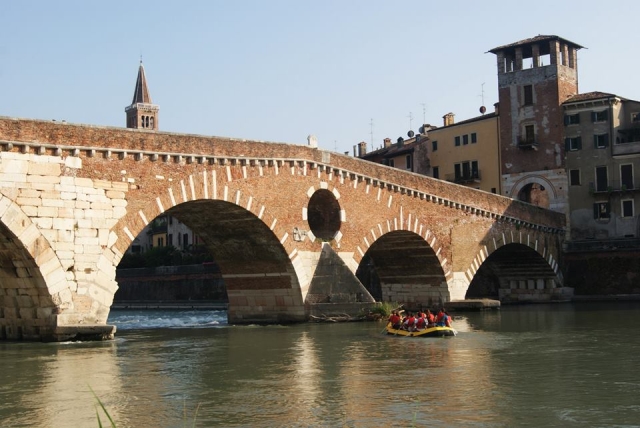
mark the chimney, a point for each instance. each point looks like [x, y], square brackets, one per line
[448, 119]
[496, 108]
[387, 142]
[362, 149]
[312, 141]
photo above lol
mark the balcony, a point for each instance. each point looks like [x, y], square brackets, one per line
[627, 141]
[527, 143]
[464, 178]
[614, 186]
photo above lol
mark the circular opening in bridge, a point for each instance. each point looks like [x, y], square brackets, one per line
[323, 214]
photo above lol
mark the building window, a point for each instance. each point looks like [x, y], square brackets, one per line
[466, 171]
[572, 144]
[392, 163]
[457, 141]
[474, 138]
[571, 119]
[626, 177]
[574, 177]
[185, 241]
[409, 166]
[601, 141]
[528, 95]
[160, 242]
[635, 117]
[493, 190]
[434, 146]
[465, 139]
[436, 172]
[601, 210]
[602, 182]
[530, 134]
[599, 116]
[627, 208]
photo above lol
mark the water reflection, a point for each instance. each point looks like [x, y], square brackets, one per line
[539, 365]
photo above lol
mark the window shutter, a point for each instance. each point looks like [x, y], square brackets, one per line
[595, 211]
[578, 117]
[594, 116]
[566, 119]
[579, 141]
[567, 144]
[595, 141]
[606, 140]
[606, 114]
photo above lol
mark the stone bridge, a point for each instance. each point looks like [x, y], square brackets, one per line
[290, 226]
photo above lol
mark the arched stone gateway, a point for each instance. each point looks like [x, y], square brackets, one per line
[84, 193]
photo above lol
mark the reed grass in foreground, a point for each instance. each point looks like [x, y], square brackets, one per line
[113, 424]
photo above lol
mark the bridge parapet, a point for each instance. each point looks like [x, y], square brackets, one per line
[58, 139]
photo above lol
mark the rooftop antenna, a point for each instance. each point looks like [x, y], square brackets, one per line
[410, 119]
[335, 145]
[483, 109]
[371, 124]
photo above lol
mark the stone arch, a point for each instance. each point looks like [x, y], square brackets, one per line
[285, 304]
[538, 179]
[523, 240]
[533, 180]
[36, 296]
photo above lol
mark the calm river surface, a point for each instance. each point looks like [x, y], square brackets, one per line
[565, 365]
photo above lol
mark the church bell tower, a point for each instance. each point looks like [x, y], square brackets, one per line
[142, 113]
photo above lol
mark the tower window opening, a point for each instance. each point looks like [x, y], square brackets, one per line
[528, 95]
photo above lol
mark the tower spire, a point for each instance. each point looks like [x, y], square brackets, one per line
[141, 92]
[142, 113]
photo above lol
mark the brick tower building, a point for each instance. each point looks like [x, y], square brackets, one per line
[535, 76]
[142, 113]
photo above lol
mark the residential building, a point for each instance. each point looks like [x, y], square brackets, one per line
[467, 152]
[408, 155]
[535, 76]
[602, 146]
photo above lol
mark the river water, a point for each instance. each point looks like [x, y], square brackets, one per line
[565, 365]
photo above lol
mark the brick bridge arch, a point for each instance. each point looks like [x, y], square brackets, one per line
[106, 184]
[522, 259]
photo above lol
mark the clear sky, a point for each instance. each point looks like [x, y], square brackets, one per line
[278, 70]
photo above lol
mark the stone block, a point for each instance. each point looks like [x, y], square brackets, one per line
[47, 211]
[44, 169]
